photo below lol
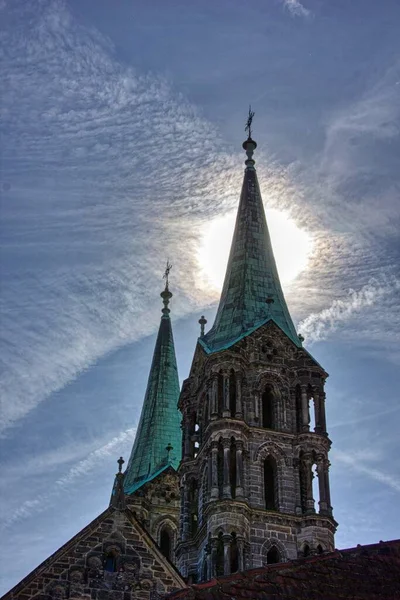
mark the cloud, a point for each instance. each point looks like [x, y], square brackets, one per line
[359, 465]
[39, 504]
[319, 326]
[296, 8]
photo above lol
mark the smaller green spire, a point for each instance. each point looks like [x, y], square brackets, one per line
[158, 438]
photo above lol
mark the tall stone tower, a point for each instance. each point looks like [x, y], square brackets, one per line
[249, 455]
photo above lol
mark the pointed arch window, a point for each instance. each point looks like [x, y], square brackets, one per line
[165, 543]
[273, 556]
[220, 467]
[219, 566]
[320, 549]
[306, 550]
[232, 393]
[270, 484]
[194, 506]
[267, 404]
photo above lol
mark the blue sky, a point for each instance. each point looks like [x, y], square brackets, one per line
[122, 126]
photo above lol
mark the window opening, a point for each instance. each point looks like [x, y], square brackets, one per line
[270, 484]
[267, 408]
[273, 556]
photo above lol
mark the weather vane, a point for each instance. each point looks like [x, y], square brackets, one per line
[166, 273]
[249, 121]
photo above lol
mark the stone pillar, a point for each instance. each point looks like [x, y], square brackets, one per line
[239, 404]
[323, 507]
[297, 487]
[317, 406]
[322, 416]
[304, 409]
[239, 470]
[187, 436]
[226, 491]
[213, 561]
[327, 487]
[226, 411]
[214, 397]
[256, 408]
[227, 553]
[186, 513]
[214, 471]
[308, 475]
[240, 546]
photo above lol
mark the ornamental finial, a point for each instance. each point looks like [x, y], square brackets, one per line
[249, 145]
[249, 122]
[166, 294]
[202, 323]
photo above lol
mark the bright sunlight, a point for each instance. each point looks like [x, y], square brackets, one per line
[291, 245]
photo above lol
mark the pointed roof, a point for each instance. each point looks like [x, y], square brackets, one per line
[158, 438]
[252, 293]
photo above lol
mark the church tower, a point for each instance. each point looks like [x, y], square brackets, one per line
[254, 475]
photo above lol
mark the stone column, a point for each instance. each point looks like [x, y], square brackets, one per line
[209, 477]
[297, 487]
[322, 415]
[226, 491]
[317, 406]
[240, 546]
[226, 411]
[321, 484]
[239, 470]
[213, 566]
[304, 409]
[187, 436]
[186, 513]
[214, 471]
[327, 487]
[227, 553]
[214, 397]
[256, 408]
[308, 475]
[239, 404]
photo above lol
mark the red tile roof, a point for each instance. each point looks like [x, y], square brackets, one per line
[361, 573]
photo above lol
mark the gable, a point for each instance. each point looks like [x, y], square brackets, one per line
[113, 557]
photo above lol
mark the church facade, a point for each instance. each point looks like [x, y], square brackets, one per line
[224, 475]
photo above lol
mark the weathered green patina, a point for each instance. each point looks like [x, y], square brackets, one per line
[159, 438]
[252, 293]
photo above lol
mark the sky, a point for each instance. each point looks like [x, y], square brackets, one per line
[121, 132]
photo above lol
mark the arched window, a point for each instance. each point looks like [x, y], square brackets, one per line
[233, 468]
[299, 418]
[232, 393]
[166, 543]
[219, 566]
[315, 487]
[320, 549]
[234, 554]
[306, 550]
[270, 484]
[273, 556]
[110, 562]
[220, 393]
[267, 402]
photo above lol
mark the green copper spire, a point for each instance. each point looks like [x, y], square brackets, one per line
[158, 438]
[252, 293]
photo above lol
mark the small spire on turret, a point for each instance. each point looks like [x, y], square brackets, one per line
[202, 323]
[166, 294]
[118, 494]
[249, 145]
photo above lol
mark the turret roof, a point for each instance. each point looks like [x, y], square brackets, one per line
[252, 293]
[158, 439]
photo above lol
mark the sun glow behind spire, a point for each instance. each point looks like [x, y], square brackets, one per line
[292, 247]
